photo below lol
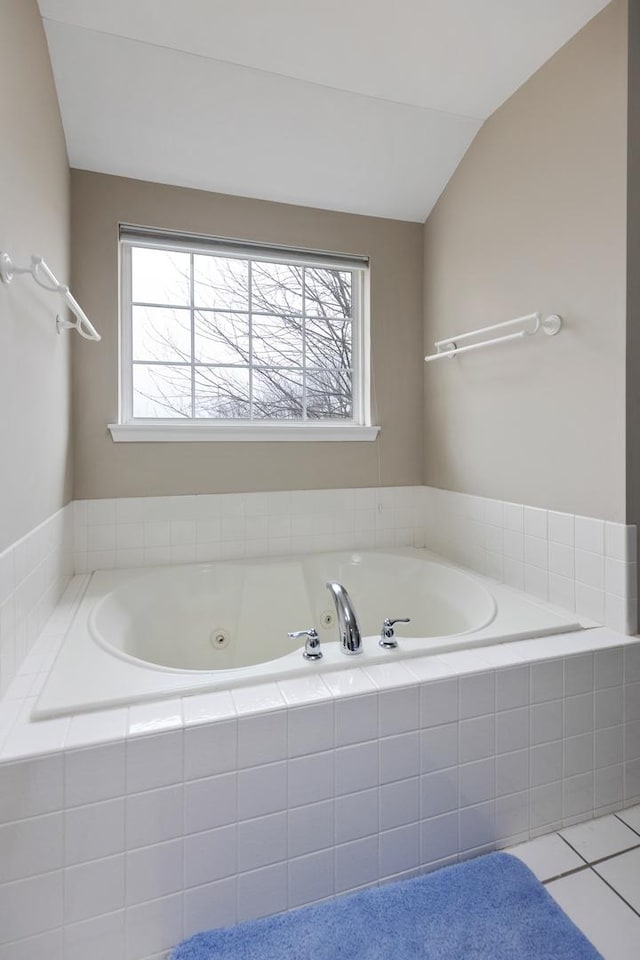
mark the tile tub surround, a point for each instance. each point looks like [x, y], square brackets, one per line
[578, 563]
[33, 574]
[123, 831]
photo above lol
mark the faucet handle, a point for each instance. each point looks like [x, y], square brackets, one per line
[387, 634]
[312, 649]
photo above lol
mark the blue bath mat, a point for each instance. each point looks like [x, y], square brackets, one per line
[492, 908]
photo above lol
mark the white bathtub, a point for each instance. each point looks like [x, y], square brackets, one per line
[151, 633]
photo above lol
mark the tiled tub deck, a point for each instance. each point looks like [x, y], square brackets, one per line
[125, 830]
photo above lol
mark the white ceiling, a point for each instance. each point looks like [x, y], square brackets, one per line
[365, 106]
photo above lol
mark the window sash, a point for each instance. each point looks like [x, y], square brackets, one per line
[358, 266]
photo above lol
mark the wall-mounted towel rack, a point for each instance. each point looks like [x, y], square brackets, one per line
[43, 276]
[530, 325]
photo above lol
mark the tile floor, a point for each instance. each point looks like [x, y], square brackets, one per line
[593, 871]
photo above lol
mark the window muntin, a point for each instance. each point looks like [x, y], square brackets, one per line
[213, 337]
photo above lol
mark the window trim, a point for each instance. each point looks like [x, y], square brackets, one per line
[132, 429]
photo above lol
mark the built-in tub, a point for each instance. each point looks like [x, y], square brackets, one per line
[152, 633]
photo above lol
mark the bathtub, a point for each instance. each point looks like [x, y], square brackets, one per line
[146, 634]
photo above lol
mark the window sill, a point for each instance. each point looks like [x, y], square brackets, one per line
[145, 432]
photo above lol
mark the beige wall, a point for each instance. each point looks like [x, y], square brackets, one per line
[535, 219]
[633, 271]
[107, 469]
[35, 475]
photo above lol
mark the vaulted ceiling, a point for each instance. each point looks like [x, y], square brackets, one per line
[365, 106]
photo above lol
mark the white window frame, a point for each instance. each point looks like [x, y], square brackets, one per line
[137, 429]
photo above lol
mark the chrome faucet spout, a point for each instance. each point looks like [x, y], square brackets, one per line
[348, 626]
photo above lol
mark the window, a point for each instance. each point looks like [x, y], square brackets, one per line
[226, 340]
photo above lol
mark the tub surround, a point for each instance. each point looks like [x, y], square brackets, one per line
[581, 564]
[33, 574]
[125, 830]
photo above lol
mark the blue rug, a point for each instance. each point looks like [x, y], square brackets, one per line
[492, 908]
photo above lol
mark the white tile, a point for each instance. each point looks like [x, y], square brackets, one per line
[356, 863]
[356, 719]
[209, 906]
[310, 828]
[512, 774]
[622, 874]
[512, 687]
[477, 826]
[608, 707]
[97, 773]
[153, 927]
[608, 668]
[428, 668]
[613, 929]
[210, 856]
[311, 878]
[262, 739]
[94, 831]
[578, 754]
[632, 663]
[535, 522]
[29, 847]
[631, 816]
[438, 747]
[262, 842]
[562, 592]
[600, 838]
[258, 699]
[546, 721]
[301, 690]
[577, 797]
[578, 715]
[546, 681]
[438, 792]
[310, 778]
[438, 702]
[609, 746]
[94, 888]
[100, 938]
[310, 727]
[31, 906]
[546, 763]
[208, 708]
[590, 602]
[399, 850]
[211, 802]
[399, 757]
[620, 542]
[146, 718]
[578, 674]
[210, 749]
[477, 781]
[561, 560]
[349, 683]
[399, 711]
[262, 892]
[548, 857]
[154, 761]
[262, 790]
[154, 871]
[589, 534]
[477, 695]
[536, 581]
[561, 528]
[356, 767]
[96, 727]
[513, 516]
[546, 805]
[512, 818]
[399, 803]
[477, 738]
[30, 787]
[388, 675]
[608, 787]
[357, 815]
[590, 569]
[621, 578]
[536, 552]
[154, 816]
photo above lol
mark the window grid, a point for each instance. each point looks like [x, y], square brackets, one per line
[250, 312]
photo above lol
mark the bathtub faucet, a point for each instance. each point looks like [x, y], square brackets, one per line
[348, 626]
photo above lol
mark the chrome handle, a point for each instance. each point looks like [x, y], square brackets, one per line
[312, 649]
[387, 634]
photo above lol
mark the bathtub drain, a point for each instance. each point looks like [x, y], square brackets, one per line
[220, 639]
